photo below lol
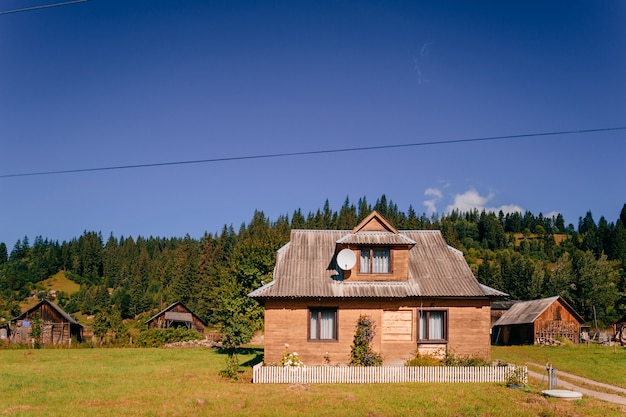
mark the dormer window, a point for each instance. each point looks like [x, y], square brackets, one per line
[375, 261]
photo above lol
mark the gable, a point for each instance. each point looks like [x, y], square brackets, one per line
[47, 311]
[527, 312]
[374, 222]
[177, 312]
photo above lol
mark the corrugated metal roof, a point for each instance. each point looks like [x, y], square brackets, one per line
[526, 312]
[53, 306]
[306, 267]
[176, 316]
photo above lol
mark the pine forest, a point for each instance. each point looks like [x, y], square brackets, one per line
[119, 278]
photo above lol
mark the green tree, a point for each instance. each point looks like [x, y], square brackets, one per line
[596, 286]
[4, 255]
[537, 278]
[559, 282]
[237, 329]
[36, 330]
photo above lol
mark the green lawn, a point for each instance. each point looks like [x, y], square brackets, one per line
[185, 382]
[601, 363]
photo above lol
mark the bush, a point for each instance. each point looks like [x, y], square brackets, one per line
[362, 353]
[290, 358]
[452, 360]
[449, 359]
[423, 360]
[160, 337]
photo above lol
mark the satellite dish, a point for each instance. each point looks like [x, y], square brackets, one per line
[346, 259]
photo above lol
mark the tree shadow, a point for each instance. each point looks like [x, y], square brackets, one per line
[257, 353]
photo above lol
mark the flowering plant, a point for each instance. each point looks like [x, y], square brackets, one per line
[290, 358]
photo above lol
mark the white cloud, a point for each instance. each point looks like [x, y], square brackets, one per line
[433, 192]
[551, 214]
[431, 205]
[508, 208]
[471, 199]
[468, 201]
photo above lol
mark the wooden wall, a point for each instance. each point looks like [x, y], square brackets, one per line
[286, 322]
[55, 329]
[159, 321]
[399, 267]
[556, 322]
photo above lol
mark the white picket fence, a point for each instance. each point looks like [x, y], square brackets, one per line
[382, 374]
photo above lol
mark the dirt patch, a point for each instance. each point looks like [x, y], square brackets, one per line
[12, 410]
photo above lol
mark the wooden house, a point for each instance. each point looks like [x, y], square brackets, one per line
[57, 326]
[420, 293]
[177, 315]
[538, 322]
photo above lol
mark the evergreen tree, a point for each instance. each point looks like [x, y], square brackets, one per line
[4, 255]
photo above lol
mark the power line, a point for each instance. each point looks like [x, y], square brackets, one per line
[44, 6]
[318, 152]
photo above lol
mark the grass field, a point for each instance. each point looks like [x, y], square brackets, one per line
[58, 282]
[186, 382]
[601, 363]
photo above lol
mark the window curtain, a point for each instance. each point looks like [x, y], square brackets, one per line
[322, 324]
[327, 324]
[380, 262]
[365, 261]
[435, 325]
[314, 327]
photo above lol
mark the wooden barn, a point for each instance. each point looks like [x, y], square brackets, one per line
[619, 329]
[176, 315]
[543, 321]
[56, 325]
[499, 307]
[420, 293]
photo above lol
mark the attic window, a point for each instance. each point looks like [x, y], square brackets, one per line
[375, 261]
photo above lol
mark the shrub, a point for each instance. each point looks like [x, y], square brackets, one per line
[423, 360]
[362, 353]
[160, 337]
[448, 359]
[453, 360]
[290, 358]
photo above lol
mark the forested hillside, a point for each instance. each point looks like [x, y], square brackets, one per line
[527, 256]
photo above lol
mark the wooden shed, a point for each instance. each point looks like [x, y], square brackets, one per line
[619, 328]
[499, 307]
[176, 315]
[542, 321]
[56, 325]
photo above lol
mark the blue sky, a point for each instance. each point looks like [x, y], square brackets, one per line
[109, 83]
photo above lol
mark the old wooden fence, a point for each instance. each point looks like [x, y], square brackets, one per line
[384, 374]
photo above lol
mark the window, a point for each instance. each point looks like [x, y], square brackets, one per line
[433, 325]
[323, 323]
[375, 261]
